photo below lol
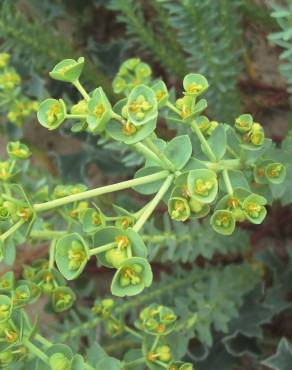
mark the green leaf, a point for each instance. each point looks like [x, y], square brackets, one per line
[282, 359]
[179, 151]
[149, 188]
[218, 141]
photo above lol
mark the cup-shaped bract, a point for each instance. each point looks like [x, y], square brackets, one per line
[99, 111]
[51, 113]
[17, 150]
[92, 219]
[275, 172]
[178, 365]
[72, 254]
[5, 308]
[133, 275]
[178, 209]
[203, 185]
[254, 208]
[59, 361]
[161, 93]
[68, 70]
[125, 241]
[21, 295]
[63, 298]
[156, 320]
[243, 123]
[223, 222]
[198, 209]
[128, 132]
[7, 282]
[195, 84]
[142, 105]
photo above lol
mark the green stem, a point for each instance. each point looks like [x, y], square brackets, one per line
[76, 116]
[46, 234]
[81, 89]
[10, 231]
[133, 332]
[101, 249]
[155, 343]
[172, 107]
[153, 204]
[138, 361]
[41, 207]
[43, 340]
[204, 142]
[118, 118]
[52, 254]
[36, 351]
[159, 154]
[147, 153]
[228, 164]
[227, 182]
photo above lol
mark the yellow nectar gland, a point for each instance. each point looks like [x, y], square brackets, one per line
[223, 220]
[274, 171]
[140, 106]
[185, 192]
[96, 219]
[152, 356]
[4, 283]
[76, 256]
[4, 310]
[63, 70]
[160, 329]
[129, 128]
[257, 138]
[11, 336]
[179, 208]
[194, 88]
[233, 202]
[4, 170]
[241, 123]
[53, 112]
[24, 213]
[99, 110]
[261, 172]
[253, 209]
[160, 94]
[203, 187]
[122, 241]
[18, 152]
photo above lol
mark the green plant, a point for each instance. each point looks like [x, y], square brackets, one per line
[228, 172]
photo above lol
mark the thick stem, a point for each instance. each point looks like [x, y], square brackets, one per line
[12, 230]
[76, 116]
[138, 361]
[204, 142]
[81, 89]
[133, 332]
[41, 207]
[43, 340]
[172, 107]
[46, 234]
[147, 153]
[153, 204]
[227, 182]
[36, 351]
[159, 154]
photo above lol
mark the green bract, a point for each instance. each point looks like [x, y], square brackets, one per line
[244, 123]
[72, 254]
[5, 308]
[254, 208]
[92, 219]
[161, 93]
[52, 113]
[17, 150]
[126, 131]
[275, 173]
[223, 222]
[195, 84]
[68, 70]
[99, 111]
[203, 185]
[62, 299]
[142, 105]
[133, 275]
[178, 209]
[125, 243]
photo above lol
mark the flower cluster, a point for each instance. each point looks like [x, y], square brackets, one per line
[19, 108]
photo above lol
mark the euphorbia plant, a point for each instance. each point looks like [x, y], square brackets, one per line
[215, 170]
